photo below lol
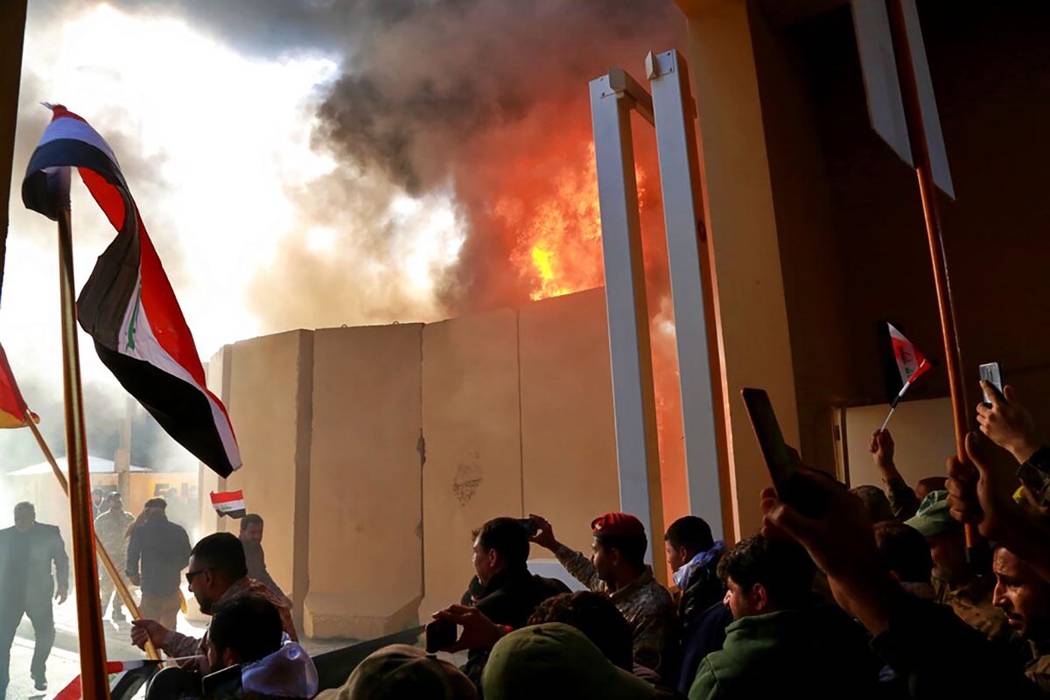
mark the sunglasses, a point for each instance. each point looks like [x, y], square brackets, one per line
[190, 575]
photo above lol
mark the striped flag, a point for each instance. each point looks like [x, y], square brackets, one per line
[229, 503]
[127, 305]
[12, 406]
[73, 691]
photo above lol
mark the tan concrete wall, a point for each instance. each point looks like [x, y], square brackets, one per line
[217, 376]
[265, 407]
[473, 445]
[366, 552]
[567, 430]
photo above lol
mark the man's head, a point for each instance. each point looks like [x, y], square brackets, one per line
[155, 509]
[216, 563]
[765, 575]
[1022, 594]
[618, 549]
[686, 538]
[243, 630]
[876, 504]
[501, 544]
[114, 502]
[597, 617]
[944, 535]
[97, 496]
[252, 528]
[25, 516]
[905, 551]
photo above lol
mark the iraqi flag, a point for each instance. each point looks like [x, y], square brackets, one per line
[911, 363]
[127, 305]
[74, 691]
[13, 410]
[229, 503]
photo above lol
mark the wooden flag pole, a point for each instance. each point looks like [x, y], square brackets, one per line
[931, 213]
[93, 676]
[103, 554]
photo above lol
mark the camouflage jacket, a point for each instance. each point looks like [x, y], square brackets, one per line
[1037, 669]
[646, 604]
[1035, 475]
[972, 603]
[903, 501]
[111, 528]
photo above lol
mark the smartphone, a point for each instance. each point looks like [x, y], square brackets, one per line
[991, 373]
[440, 635]
[781, 462]
[531, 528]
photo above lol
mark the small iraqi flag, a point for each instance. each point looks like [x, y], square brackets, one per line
[127, 305]
[911, 363]
[229, 503]
[13, 407]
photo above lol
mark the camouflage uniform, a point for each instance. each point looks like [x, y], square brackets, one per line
[111, 526]
[972, 603]
[1038, 667]
[646, 604]
[903, 501]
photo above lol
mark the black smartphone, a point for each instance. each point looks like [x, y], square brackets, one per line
[440, 635]
[993, 374]
[531, 528]
[780, 459]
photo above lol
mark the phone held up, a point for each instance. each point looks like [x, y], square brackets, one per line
[440, 635]
[780, 459]
[993, 374]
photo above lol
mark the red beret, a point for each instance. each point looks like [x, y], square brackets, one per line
[618, 524]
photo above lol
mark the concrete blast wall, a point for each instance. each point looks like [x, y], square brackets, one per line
[373, 452]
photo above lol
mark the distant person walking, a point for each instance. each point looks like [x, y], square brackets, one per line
[110, 528]
[251, 538]
[27, 552]
[158, 551]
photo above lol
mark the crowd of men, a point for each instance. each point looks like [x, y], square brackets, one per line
[879, 595]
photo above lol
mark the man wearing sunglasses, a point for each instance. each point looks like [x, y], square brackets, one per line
[217, 574]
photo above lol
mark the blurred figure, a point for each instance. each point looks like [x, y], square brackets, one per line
[399, 672]
[954, 581]
[98, 498]
[27, 553]
[1025, 598]
[693, 555]
[217, 574]
[907, 556]
[599, 620]
[110, 527]
[251, 536]
[617, 568]
[876, 504]
[157, 553]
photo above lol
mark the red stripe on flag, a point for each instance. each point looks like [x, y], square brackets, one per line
[226, 496]
[11, 401]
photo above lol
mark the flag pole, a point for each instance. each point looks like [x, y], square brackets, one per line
[103, 554]
[931, 214]
[94, 679]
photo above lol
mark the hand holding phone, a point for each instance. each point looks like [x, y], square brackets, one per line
[993, 374]
[440, 635]
[781, 460]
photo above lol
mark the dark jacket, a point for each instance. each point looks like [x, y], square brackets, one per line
[163, 548]
[703, 618]
[255, 560]
[933, 654]
[508, 599]
[813, 653]
[26, 559]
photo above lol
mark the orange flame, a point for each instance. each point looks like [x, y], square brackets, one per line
[558, 242]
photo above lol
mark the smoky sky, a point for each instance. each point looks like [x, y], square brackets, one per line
[483, 98]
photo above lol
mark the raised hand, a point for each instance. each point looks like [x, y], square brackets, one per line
[1007, 422]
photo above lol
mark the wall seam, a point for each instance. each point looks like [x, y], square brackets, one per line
[303, 443]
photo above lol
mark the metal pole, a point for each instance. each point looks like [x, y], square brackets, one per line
[691, 286]
[93, 677]
[637, 451]
[931, 214]
[103, 553]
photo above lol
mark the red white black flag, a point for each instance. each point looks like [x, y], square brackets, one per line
[910, 361]
[229, 503]
[127, 305]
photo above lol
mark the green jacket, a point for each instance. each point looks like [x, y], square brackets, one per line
[813, 653]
